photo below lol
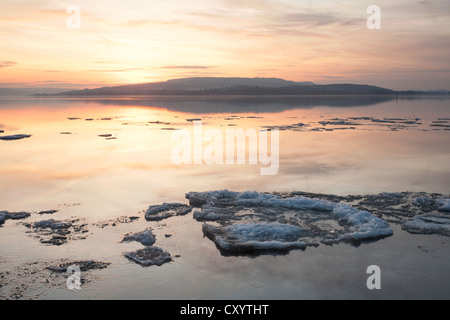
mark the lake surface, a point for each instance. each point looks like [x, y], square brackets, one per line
[103, 158]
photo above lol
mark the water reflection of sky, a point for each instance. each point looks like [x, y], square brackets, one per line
[135, 168]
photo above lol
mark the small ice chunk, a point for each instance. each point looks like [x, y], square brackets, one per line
[428, 224]
[52, 224]
[48, 212]
[17, 215]
[166, 210]
[245, 237]
[15, 137]
[196, 200]
[445, 205]
[2, 217]
[146, 237]
[149, 256]
[5, 215]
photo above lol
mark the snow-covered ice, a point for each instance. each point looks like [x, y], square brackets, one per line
[364, 226]
[149, 256]
[428, 224]
[243, 237]
[428, 204]
[52, 224]
[266, 221]
[445, 205]
[166, 210]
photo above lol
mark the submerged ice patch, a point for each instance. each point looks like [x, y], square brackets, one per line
[247, 237]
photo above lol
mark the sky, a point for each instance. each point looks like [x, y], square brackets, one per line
[139, 41]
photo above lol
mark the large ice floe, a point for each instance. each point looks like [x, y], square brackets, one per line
[252, 221]
[242, 237]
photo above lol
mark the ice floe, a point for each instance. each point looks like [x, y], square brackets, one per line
[149, 256]
[55, 232]
[245, 237]
[445, 205]
[364, 123]
[428, 224]
[52, 224]
[146, 237]
[428, 204]
[15, 137]
[256, 220]
[166, 210]
[27, 280]
[48, 212]
[2, 217]
[6, 215]
[115, 222]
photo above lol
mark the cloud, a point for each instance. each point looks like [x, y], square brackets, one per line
[136, 23]
[4, 64]
[314, 19]
[197, 74]
[188, 67]
[119, 70]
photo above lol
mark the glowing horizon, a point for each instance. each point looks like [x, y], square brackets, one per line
[148, 41]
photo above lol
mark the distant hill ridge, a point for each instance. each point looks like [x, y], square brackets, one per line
[230, 86]
[215, 86]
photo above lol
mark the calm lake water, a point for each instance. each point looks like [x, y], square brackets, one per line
[102, 158]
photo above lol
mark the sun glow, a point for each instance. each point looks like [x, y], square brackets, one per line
[120, 42]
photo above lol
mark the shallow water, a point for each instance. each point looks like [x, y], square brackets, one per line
[84, 175]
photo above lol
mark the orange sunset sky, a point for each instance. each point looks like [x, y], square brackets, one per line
[138, 41]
